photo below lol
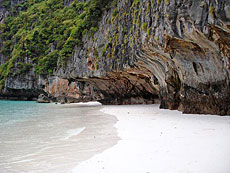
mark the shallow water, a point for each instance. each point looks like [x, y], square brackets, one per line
[51, 138]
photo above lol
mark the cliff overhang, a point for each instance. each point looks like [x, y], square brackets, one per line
[172, 52]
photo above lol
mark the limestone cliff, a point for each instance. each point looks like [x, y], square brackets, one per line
[177, 51]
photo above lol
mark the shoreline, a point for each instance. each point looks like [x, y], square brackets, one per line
[93, 138]
[55, 139]
[155, 140]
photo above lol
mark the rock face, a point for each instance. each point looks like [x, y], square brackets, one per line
[144, 50]
[24, 88]
[64, 91]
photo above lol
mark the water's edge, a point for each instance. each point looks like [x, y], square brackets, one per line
[57, 140]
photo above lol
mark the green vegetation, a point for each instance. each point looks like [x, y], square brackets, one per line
[211, 10]
[158, 1]
[115, 12]
[145, 26]
[6, 4]
[34, 26]
[167, 2]
[149, 31]
[136, 2]
[24, 67]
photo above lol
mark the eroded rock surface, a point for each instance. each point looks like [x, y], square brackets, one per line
[177, 51]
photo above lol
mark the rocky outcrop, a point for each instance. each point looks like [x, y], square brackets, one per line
[24, 87]
[65, 91]
[144, 50]
[178, 49]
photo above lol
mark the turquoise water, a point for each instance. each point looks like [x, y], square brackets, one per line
[16, 111]
[51, 138]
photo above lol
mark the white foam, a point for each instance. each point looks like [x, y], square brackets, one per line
[89, 103]
[93, 103]
[73, 132]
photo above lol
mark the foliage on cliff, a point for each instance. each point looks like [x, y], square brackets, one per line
[41, 32]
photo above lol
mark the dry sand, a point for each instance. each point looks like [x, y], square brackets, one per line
[163, 141]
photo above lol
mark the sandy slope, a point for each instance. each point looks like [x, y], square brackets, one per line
[163, 141]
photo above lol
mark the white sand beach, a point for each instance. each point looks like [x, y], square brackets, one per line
[91, 138]
[163, 141]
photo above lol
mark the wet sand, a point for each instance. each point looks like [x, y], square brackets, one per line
[57, 141]
[90, 138]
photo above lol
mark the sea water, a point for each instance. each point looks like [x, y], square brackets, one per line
[51, 138]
